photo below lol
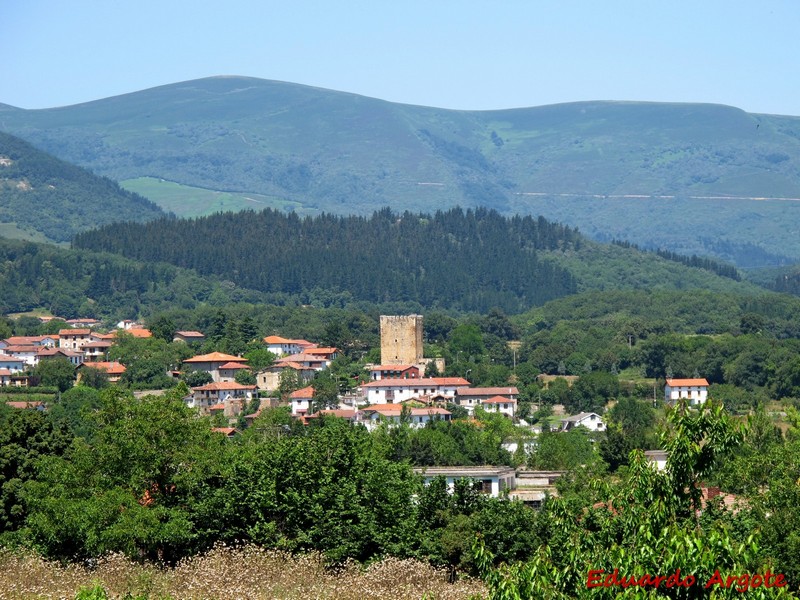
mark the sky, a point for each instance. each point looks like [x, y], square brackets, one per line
[462, 54]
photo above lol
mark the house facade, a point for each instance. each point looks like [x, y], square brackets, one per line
[211, 363]
[373, 416]
[378, 372]
[391, 391]
[592, 422]
[470, 397]
[494, 481]
[695, 390]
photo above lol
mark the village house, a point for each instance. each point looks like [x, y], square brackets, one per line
[96, 350]
[12, 364]
[189, 337]
[75, 339]
[592, 422]
[269, 378]
[113, 369]
[372, 416]
[231, 395]
[378, 372]
[695, 390]
[389, 391]
[494, 481]
[470, 397]
[228, 371]
[301, 401]
[211, 363]
[40, 341]
[73, 356]
[281, 346]
[28, 354]
[5, 377]
[328, 354]
[500, 404]
[657, 458]
[84, 323]
[347, 414]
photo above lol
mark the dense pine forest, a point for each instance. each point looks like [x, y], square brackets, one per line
[466, 260]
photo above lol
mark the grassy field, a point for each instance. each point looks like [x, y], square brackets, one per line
[12, 231]
[187, 201]
[236, 574]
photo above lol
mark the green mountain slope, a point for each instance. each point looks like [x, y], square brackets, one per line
[463, 260]
[44, 197]
[688, 177]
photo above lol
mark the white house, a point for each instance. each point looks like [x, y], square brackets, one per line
[696, 390]
[211, 363]
[592, 422]
[657, 458]
[372, 416]
[28, 354]
[500, 404]
[378, 372]
[301, 401]
[12, 364]
[281, 346]
[205, 397]
[470, 397]
[389, 391]
[494, 480]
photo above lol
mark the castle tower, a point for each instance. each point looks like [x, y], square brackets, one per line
[401, 340]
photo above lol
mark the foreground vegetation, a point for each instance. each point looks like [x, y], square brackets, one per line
[224, 573]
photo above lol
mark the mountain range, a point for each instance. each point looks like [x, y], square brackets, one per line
[691, 178]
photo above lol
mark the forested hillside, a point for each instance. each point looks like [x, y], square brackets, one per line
[72, 284]
[462, 260]
[40, 193]
[692, 178]
[470, 261]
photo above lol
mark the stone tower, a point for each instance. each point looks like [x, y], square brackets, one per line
[401, 340]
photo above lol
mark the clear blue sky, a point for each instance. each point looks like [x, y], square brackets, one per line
[446, 53]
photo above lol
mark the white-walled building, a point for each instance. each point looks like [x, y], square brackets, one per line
[592, 422]
[500, 404]
[372, 416]
[392, 391]
[494, 480]
[695, 390]
[470, 397]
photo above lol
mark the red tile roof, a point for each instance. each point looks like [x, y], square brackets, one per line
[322, 351]
[418, 383]
[275, 339]
[487, 391]
[396, 409]
[392, 367]
[227, 431]
[498, 400]
[233, 365]
[344, 413]
[215, 357]
[305, 393]
[222, 386]
[687, 382]
[112, 368]
[190, 333]
[21, 348]
[71, 332]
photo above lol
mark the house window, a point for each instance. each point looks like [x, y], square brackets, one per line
[486, 486]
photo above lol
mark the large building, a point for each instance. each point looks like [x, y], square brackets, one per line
[401, 340]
